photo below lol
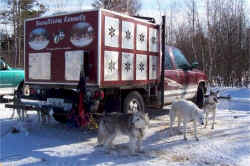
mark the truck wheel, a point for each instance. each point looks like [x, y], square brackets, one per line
[200, 96]
[133, 103]
[60, 118]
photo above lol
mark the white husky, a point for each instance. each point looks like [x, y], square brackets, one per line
[210, 106]
[186, 111]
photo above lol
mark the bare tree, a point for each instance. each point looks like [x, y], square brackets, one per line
[218, 39]
[130, 7]
[14, 15]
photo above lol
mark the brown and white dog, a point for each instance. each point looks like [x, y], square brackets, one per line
[209, 106]
[44, 116]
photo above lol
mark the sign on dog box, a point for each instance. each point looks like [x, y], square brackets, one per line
[114, 49]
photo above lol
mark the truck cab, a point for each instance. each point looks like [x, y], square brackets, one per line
[182, 79]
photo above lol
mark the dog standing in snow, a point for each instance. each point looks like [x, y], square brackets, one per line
[209, 106]
[44, 116]
[22, 114]
[133, 125]
[186, 111]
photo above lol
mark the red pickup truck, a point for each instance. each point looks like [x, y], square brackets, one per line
[182, 79]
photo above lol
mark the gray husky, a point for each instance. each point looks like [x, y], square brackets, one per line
[132, 125]
[210, 106]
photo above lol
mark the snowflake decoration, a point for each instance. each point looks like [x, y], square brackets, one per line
[128, 35]
[127, 66]
[153, 39]
[111, 66]
[141, 67]
[141, 37]
[111, 31]
[154, 67]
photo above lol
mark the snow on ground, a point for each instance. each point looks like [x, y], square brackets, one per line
[4, 91]
[58, 145]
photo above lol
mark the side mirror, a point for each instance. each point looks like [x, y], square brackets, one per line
[195, 65]
[186, 67]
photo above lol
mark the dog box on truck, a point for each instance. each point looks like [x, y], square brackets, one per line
[116, 50]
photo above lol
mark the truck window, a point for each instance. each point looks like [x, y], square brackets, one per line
[168, 62]
[180, 59]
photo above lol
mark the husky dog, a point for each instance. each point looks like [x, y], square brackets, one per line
[22, 114]
[132, 125]
[186, 111]
[44, 116]
[210, 106]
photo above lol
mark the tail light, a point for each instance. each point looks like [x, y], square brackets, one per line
[26, 90]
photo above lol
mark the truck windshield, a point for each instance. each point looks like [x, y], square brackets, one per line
[168, 63]
[180, 59]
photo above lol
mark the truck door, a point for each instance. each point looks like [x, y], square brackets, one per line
[186, 76]
[172, 85]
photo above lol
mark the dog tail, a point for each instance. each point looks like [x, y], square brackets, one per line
[101, 132]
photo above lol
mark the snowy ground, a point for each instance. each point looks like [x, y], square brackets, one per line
[4, 91]
[57, 145]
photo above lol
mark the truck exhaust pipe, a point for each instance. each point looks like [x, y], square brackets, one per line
[163, 40]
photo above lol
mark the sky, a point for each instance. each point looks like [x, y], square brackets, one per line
[151, 8]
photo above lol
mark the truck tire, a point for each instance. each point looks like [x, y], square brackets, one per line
[133, 103]
[200, 96]
[60, 118]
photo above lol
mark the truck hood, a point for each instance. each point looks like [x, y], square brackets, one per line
[20, 72]
[16, 69]
[200, 74]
